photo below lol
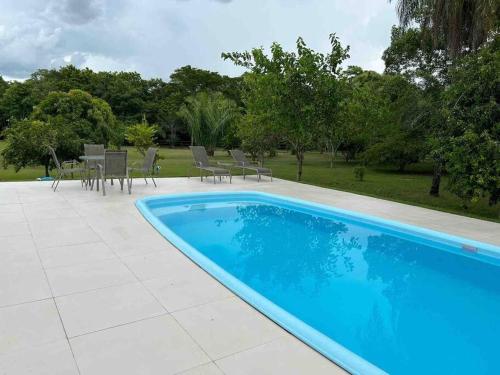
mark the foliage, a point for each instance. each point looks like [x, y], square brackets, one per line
[27, 144]
[208, 115]
[80, 117]
[472, 111]
[359, 173]
[128, 94]
[141, 136]
[473, 167]
[291, 83]
[464, 25]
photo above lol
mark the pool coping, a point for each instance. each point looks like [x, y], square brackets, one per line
[315, 339]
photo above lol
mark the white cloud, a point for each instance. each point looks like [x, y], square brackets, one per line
[156, 37]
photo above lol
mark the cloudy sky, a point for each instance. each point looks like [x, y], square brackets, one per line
[154, 37]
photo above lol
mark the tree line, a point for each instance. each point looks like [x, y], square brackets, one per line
[437, 100]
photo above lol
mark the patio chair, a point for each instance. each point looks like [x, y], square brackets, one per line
[63, 170]
[147, 165]
[92, 150]
[201, 162]
[114, 166]
[242, 162]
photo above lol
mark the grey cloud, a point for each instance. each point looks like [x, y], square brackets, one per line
[77, 12]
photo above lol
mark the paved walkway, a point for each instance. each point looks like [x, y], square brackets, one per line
[88, 287]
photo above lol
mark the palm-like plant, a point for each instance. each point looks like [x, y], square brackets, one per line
[463, 24]
[207, 115]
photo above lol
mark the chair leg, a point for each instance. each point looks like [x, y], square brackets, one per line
[214, 178]
[121, 183]
[54, 181]
[230, 178]
[58, 180]
[129, 185]
[154, 182]
[103, 186]
[145, 178]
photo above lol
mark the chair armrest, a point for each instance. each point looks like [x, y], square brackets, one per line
[69, 162]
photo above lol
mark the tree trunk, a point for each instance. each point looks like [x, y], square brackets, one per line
[436, 179]
[47, 174]
[300, 161]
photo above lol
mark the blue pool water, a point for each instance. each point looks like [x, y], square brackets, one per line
[371, 295]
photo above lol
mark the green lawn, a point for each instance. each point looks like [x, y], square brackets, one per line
[409, 187]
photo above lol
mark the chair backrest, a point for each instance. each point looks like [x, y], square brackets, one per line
[200, 156]
[93, 150]
[54, 157]
[149, 159]
[239, 157]
[115, 163]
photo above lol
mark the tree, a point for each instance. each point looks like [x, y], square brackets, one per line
[464, 24]
[78, 118]
[207, 116]
[142, 135]
[27, 144]
[472, 113]
[290, 82]
[425, 63]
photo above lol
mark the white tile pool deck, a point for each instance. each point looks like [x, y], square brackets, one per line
[88, 287]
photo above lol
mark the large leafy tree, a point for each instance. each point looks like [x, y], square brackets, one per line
[81, 117]
[425, 63]
[290, 82]
[27, 143]
[208, 115]
[472, 113]
[64, 121]
[464, 25]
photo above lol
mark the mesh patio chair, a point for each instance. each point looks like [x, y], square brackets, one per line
[201, 162]
[115, 166]
[241, 161]
[147, 166]
[91, 165]
[63, 170]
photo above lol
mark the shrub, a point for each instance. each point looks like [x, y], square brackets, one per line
[359, 173]
[142, 136]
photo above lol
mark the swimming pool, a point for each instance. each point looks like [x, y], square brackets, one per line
[372, 295]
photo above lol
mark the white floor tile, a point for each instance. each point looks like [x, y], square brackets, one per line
[19, 285]
[75, 254]
[160, 264]
[48, 359]
[29, 325]
[283, 356]
[227, 326]
[88, 276]
[62, 232]
[182, 290]
[104, 308]
[208, 369]
[153, 346]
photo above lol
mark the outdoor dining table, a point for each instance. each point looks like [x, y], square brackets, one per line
[98, 159]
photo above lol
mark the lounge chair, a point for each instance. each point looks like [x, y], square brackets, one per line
[114, 166]
[147, 165]
[201, 162]
[242, 162]
[63, 170]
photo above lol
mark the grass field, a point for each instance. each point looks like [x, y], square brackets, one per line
[409, 187]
